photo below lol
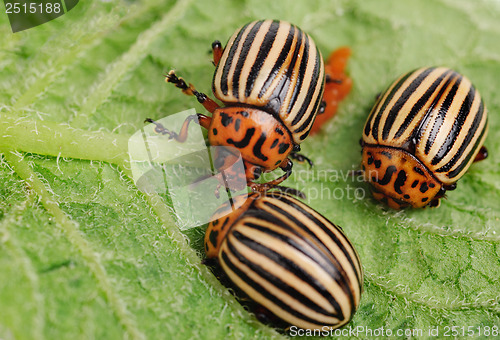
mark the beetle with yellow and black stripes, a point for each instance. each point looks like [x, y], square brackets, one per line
[270, 78]
[287, 258]
[421, 137]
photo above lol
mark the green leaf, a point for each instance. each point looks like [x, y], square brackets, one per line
[84, 253]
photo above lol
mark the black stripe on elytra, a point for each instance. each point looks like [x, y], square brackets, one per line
[420, 103]
[260, 288]
[229, 61]
[368, 127]
[268, 276]
[242, 57]
[279, 61]
[245, 141]
[467, 140]
[280, 92]
[295, 206]
[300, 77]
[377, 114]
[456, 128]
[387, 176]
[401, 101]
[258, 146]
[441, 115]
[309, 251]
[462, 165]
[262, 55]
[311, 89]
[313, 247]
[275, 142]
[311, 116]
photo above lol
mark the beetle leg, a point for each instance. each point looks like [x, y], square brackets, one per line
[435, 203]
[329, 79]
[203, 120]
[301, 158]
[202, 98]
[286, 166]
[217, 51]
[482, 154]
[450, 187]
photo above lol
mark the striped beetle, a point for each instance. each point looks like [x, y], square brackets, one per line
[287, 258]
[271, 78]
[421, 137]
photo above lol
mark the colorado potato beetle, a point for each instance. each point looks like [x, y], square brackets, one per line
[270, 77]
[421, 137]
[287, 258]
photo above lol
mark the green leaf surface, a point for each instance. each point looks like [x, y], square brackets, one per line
[84, 254]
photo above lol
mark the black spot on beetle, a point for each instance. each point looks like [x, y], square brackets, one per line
[415, 183]
[370, 160]
[245, 141]
[406, 196]
[386, 154]
[432, 185]
[243, 113]
[275, 142]
[400, 181]
[258, 146]
[206, 247]
[277, 163]
[283, 147]
[213, 237]
[214, 131]
[418, 171]
[378, 163]
[237, 124]
[423, 187]
[279, 131]
[225, 119]
[425, 199]
[224, 224]
[215, 222]
[387, 176]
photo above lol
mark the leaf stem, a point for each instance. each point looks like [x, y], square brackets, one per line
[54, 139]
